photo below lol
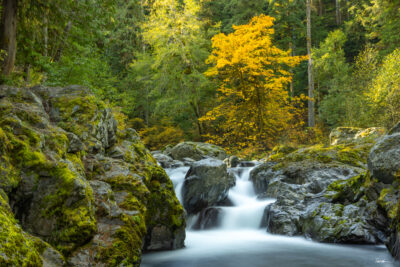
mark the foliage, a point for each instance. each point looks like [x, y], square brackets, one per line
[170, 74]
[384, 93]
[254, 107]
[157, 136]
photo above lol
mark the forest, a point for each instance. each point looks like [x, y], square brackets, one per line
[227, 133]
[237, 73]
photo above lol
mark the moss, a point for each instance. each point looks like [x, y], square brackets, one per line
[57, 141]
[350, 154]
[388, 201]
[346, 190]
[127, 245]
[75, 224]
[16, 247]
[77, 113]
[163, 208]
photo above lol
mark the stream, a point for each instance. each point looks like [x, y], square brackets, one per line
[238, 241]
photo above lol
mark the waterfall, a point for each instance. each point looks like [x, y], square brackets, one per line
[238, 240]
[246, 212]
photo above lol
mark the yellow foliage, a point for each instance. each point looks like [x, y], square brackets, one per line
[157, 137]
[254, 106]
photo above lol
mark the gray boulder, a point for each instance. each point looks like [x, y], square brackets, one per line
[384, 158]
[206, 184]
[196, 151]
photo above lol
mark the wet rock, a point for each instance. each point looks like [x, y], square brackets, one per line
[208, 218]
[261, 176]
[206, 183]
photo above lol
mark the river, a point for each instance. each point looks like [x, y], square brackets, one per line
[238, 241]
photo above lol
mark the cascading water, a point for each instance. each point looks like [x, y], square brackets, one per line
[247, 211]
[238, 240]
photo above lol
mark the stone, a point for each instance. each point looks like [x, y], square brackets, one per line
[206, 184]
[384, 158]
[196, 151]
[343, 135]
[209, 218]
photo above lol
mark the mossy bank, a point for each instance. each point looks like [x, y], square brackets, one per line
[76, 186]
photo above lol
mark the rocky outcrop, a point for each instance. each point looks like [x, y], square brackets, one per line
[206, 184]
[87, 188]
[196, 151]
[383, 163]
[318, 191]
[345, 135]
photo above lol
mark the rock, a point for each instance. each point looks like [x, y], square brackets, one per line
[164, 160]
[196, 151]
[321, 193]
[384, 158]
[343, 135]
[206, 184]
[75, 144]
[209, 218]
[261, 176]
[71, 178]
[233, 162]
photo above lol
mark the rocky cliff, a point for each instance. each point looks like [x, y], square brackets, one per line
[347, 192]
[76, 186]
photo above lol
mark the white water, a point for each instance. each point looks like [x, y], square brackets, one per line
[239, 241]
[247, 211]
[177, 177]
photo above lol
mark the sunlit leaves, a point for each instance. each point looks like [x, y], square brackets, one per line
[253, 75]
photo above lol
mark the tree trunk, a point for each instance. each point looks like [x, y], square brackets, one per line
[8, 38]
[61, 46]
[320, 8]
[311, 112]
[45, 35]
[27, 70]
[196, 111]
[338, 15]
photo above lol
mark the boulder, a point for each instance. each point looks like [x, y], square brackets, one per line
[343, 135]
[206, 184]
[75, 189]
[384, 158]
[209, 218]
[196, 151]
[322, 193]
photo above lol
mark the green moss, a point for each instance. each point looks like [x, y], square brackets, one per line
[388, 201]
[127, 245]
[75, 224]
[351, 154]
[163, 208]
[16, 247]
[346, 190]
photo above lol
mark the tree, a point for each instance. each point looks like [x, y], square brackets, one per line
[178, 46]
[8, 34]
[311, 103]
[384, 92]
[253, 76]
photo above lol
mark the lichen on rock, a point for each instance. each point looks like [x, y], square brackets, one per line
[83, 186]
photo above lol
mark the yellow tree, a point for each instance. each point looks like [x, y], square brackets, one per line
[253, 75]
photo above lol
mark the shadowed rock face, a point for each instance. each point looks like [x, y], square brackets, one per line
[206, 184]
[322, 192]
[89, 190]
[384, 165]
